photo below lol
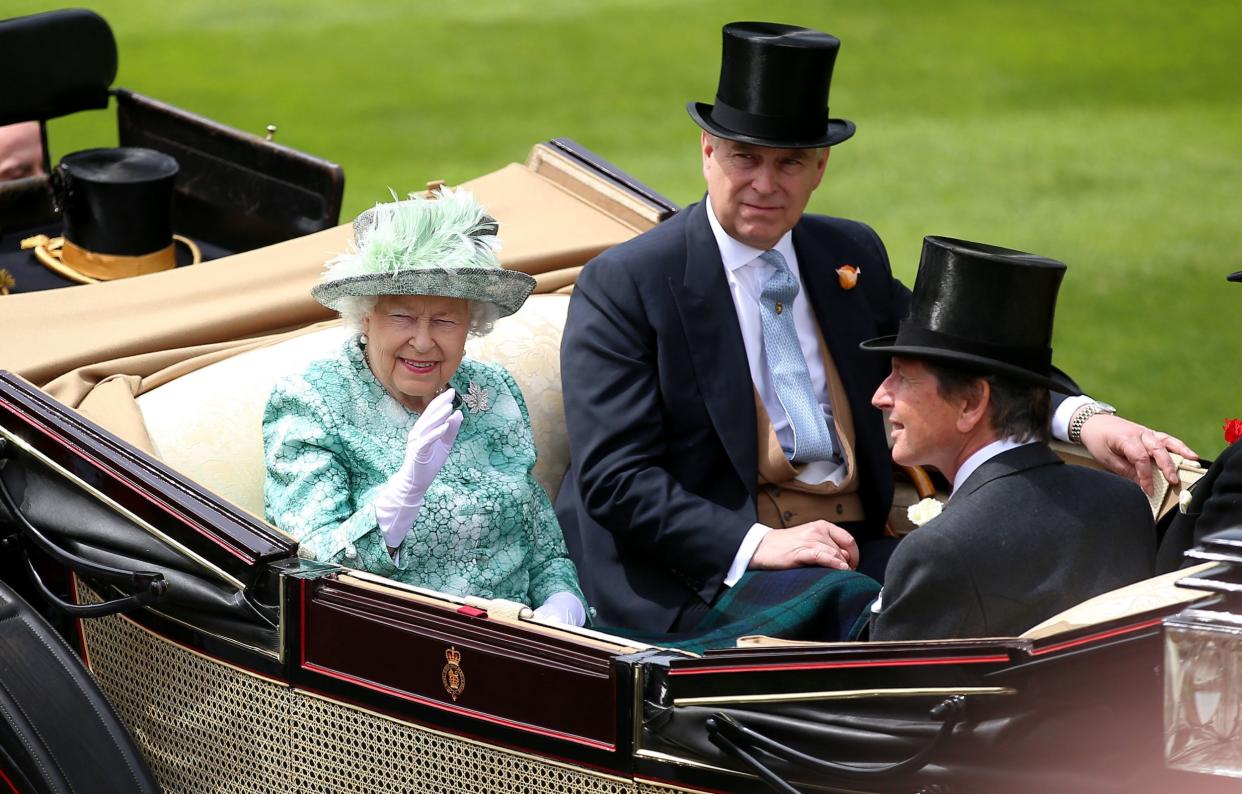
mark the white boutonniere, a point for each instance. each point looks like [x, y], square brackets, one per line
[1183, 500]
[924, 510]
[477, 399]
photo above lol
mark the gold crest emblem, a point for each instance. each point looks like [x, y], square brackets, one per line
[452, 676]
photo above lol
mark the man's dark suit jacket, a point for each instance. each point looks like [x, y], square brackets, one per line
[1215, 504]
[1024, 538]
[660, 408]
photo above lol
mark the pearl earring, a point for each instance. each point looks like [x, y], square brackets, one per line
[362, 339]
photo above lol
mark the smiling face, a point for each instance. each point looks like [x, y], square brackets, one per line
[927, 428]
[759, 193]
[415, 343]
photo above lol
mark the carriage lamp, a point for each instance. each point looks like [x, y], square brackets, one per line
[1202, 697]
[1203, 666]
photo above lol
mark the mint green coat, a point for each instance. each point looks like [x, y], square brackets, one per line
[332, 435]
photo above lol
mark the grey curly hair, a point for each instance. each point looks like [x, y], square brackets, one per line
[353, 308]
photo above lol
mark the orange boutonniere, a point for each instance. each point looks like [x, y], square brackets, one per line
[1233, 430]
[847, 276]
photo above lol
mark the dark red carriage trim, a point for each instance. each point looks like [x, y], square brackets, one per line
[5, 779]
[1098, 636]
[603, 726]
[478, 715]
[389, 709]
[801, 666]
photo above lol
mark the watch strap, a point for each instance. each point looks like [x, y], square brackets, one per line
[1081, 416]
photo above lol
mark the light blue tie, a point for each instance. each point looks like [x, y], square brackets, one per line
[812, 440]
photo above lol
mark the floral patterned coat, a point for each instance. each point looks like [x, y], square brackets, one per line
[332, 436]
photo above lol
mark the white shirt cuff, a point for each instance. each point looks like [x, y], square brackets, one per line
[1064, 413]
[741, 560]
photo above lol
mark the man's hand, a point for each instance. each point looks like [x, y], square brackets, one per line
[815, 543]
[1129, 449]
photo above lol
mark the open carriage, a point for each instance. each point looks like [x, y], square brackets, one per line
[234, 191]
[236, 665]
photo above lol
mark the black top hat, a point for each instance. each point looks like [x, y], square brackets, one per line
[982, 308]
[773, 88]
[117, 206]
[117, 201]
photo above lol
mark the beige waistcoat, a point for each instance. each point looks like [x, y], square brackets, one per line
[784, 501]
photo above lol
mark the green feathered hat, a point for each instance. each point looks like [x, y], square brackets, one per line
[425, 246]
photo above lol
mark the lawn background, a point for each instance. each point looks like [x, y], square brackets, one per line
[1106, 133]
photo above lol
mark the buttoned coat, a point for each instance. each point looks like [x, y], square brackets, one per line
[1025, 537]
[660, 408]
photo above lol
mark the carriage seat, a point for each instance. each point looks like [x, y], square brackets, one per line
[208, 424]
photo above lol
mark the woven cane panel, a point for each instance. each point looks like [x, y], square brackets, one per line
[206, 727]
[350, 750]
[203, 727]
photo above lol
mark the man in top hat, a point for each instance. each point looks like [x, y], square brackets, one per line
[1214, 504]
[717, 403]
[1023, 535]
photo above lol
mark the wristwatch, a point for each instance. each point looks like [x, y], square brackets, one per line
[1082, 415]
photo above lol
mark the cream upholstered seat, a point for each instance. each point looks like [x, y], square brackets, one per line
[207, 423]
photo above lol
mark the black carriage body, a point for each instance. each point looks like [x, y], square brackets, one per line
[262, 671]
[316, 678]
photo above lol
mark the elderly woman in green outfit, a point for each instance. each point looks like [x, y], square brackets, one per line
[396, 454]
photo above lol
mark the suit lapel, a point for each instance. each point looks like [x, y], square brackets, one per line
[844, 317]
[715, 342]
[1009, 462]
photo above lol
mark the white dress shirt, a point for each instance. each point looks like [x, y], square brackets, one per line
[982, 456]
[746, 274]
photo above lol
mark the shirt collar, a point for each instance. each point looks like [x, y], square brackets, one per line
[982, 456]
[735, 254]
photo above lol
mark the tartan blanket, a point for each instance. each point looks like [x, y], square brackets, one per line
[820, 604]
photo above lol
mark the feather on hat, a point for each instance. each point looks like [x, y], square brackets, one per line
[425, 246]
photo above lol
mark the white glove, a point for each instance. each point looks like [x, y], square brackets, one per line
[563, 607]
[401, 498]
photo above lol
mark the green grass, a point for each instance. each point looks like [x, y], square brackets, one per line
[1106, 133]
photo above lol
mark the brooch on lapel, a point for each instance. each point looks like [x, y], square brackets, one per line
[847, 276]
[476, 399]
